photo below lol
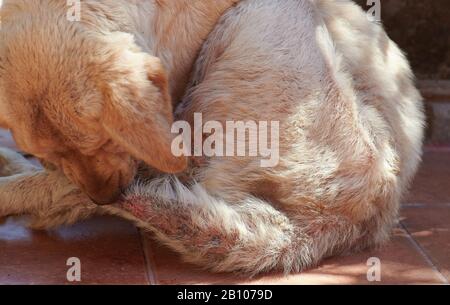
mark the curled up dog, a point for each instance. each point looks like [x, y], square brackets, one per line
[95, 101]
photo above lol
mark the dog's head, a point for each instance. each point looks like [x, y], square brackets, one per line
[91, 105]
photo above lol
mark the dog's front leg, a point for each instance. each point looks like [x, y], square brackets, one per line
[48, 196]
[38, 193]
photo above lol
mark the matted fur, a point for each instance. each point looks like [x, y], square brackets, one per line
[351, 129]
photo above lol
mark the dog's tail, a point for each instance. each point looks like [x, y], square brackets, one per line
[250, 236]
[247, 236]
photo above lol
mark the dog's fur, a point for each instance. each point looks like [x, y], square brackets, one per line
[350, 135]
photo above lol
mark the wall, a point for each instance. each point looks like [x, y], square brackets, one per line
[422, 30]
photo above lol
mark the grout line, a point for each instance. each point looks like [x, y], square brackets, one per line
[147, 258]
[413, 205]
[436, 149]
[424, 205]
[423, 253]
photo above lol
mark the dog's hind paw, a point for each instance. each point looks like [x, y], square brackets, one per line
[13, 163]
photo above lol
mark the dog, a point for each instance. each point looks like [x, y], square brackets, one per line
[95, 100]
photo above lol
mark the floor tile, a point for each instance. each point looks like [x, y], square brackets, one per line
[109, 250]
[430, 227]
[432, 182]
[6, 139]
[400, 263]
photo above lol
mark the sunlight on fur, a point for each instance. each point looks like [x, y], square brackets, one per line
[98, 104]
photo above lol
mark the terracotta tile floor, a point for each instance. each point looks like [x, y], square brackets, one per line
[112, 251]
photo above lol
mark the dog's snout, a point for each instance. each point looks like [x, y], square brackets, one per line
[101, 179]
[105, 198]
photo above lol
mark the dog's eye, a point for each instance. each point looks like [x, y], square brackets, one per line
[48, 165]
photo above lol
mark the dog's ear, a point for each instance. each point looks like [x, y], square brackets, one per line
[138, 111]
[3, 123]
[3, 113]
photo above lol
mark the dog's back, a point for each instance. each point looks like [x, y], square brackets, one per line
[350, 139]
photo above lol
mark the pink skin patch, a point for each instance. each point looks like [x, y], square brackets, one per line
[135, 206]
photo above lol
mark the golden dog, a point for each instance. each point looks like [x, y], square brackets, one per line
[94, 97]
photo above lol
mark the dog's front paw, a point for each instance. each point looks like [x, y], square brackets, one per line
[13, 163]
